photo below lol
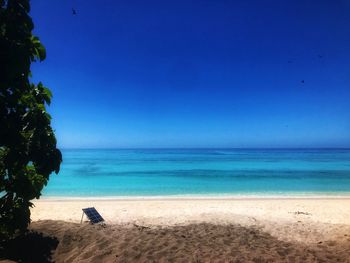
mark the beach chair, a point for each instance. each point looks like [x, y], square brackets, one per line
[92, 215]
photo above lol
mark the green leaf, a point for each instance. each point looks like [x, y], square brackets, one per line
[39, 50]
[42, 52]
[28, 153]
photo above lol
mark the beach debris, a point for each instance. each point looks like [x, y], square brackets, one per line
[302, 213]
[141, 227]
[253, 218]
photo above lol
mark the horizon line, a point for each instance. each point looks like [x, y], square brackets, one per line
[204, 148]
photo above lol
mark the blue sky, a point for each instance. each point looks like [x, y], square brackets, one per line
[196, 73]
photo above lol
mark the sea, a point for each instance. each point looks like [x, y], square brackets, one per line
[200, 172]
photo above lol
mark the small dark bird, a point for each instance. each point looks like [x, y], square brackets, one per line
[303, 81]
[289, 61]
[74, 12]
[320, 56]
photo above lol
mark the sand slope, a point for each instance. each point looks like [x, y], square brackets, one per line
[295, 230]
[201, 242]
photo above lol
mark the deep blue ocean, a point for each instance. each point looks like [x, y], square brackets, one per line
[157, 172]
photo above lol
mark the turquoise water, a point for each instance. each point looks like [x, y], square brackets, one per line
[97, 173]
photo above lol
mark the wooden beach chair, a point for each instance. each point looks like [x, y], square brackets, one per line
[92, 215]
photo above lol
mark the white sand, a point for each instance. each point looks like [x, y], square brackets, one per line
[278, 216]
[212, 210]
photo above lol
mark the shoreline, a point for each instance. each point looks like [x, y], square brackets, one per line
[198, 197]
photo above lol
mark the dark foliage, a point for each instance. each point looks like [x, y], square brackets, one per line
[28, 153]
[29, 247]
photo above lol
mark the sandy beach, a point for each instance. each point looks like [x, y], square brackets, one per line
[201, 131]
[197, 230]
[183, 210]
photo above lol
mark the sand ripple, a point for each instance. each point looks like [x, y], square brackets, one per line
[202, 242]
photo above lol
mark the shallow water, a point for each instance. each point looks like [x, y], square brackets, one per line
[156, 172]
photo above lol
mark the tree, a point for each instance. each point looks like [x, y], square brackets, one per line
[28, 152]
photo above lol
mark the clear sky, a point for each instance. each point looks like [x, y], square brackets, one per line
[197, 73]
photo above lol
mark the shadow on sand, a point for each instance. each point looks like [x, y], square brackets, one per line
[29, 247]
